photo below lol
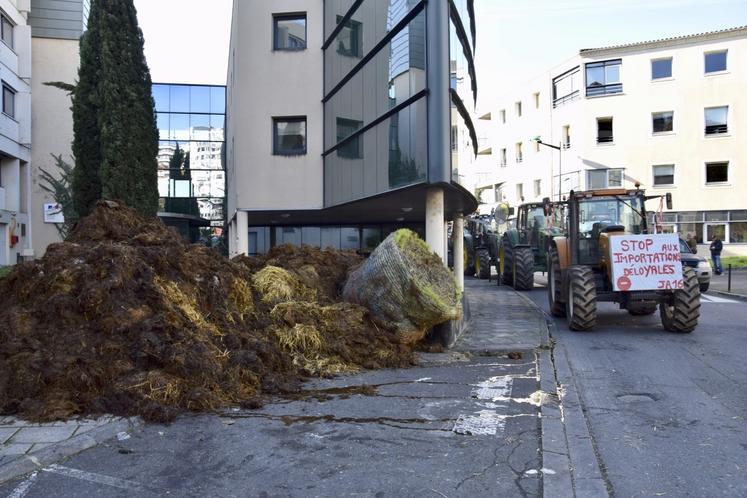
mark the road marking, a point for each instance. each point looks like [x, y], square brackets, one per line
[23, 488]
[494, 388]
[718, 300]
[484, 423]
[95, 478]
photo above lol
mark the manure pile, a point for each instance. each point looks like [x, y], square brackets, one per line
[126, 318]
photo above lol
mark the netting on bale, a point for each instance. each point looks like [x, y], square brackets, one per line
[126, 318]
[405, 286]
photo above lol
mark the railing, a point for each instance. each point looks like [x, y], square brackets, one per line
[567, 144]
[716, 129]
[604, 140]
[593, 91]
[519, 158]
[566, 98]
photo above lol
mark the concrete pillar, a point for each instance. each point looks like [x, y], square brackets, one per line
[434, 221]
[242, 232]
[457, 248]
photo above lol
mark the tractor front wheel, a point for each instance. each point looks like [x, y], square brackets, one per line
[507, 262]
[581, 307]
[523, 268]
[683, 314]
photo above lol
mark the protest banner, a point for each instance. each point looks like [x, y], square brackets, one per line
[646, 262]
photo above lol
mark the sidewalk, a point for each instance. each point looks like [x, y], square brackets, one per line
[26, 447]
[720, 283]
[468, 422]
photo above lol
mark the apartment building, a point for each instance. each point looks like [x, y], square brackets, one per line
[339, 121]
[56, 28]
[670, 115]
[15, 132]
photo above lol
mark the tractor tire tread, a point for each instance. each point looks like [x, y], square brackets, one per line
[583, 292]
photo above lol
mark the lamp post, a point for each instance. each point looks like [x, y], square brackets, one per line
[559, 148]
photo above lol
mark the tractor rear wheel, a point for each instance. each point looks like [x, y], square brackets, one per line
[683, 314]
[555, 284]
[642, 308]
[581, 307]
[507, 262]
[523, 268]
[482, 264]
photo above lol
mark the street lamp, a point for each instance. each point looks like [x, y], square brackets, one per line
[559, 148]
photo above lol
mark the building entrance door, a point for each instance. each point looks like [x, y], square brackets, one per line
[714, 229]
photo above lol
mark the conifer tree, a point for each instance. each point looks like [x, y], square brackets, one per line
[116, 139]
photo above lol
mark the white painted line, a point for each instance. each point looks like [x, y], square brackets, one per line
[484, 423]
[494, 388]
[95, 478]
[23, 488]
[719, 300]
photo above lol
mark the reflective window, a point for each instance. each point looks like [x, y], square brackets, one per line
[7, 31]
[603, 78]
[179, 127]
[290, 32]
[9, 101]
[351, 148]
[218, 100]
[161, 97]
[199, 99]
[716, 120]
[179, 98]
[664, 174]
[661, 68]
[738, 233]
[289, 136]
[663, 121]
[715, 61]
[393, 75]
[350, 39]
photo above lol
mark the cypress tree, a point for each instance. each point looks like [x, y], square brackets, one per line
[116, 139]
[129, 136]
[85, 181]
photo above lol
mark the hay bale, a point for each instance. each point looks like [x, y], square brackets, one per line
[275, 285]
[405, 286]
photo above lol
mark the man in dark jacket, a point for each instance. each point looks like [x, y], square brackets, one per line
[716, 248]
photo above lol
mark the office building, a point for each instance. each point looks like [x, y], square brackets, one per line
[339, 121]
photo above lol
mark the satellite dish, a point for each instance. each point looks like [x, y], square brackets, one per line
[502, 212]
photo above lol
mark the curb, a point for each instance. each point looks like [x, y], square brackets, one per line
[58, 451]
[731, 295]
[567, 445]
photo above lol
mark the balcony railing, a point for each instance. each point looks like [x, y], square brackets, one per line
[566, 98]
[716, 129]
[519, 158]
[604, 139]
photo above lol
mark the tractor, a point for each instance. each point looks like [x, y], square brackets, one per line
[523, 249]
[582, 263]
[480, 246]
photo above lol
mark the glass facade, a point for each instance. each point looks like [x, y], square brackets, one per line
[375, 111]
[191, 165]
[375, 83]
[730, 226]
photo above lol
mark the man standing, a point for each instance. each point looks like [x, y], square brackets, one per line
[692, 243]
[716, 247]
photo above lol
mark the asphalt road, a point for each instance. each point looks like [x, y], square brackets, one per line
[666, 412]
[453, 427]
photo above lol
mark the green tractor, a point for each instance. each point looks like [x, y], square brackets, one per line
[480, 246]
[523, 249]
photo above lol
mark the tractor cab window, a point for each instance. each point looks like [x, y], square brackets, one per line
[596, 216]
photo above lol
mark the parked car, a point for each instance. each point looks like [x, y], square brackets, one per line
[698, 263]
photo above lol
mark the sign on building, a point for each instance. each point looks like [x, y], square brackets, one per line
[646, 262]
[53, 213]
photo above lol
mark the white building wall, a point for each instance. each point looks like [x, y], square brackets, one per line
[264, 84]
[15, 137]
[635, 147]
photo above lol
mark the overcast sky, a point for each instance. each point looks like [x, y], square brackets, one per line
[186, 41]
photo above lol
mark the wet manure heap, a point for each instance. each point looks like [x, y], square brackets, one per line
[126, 318]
